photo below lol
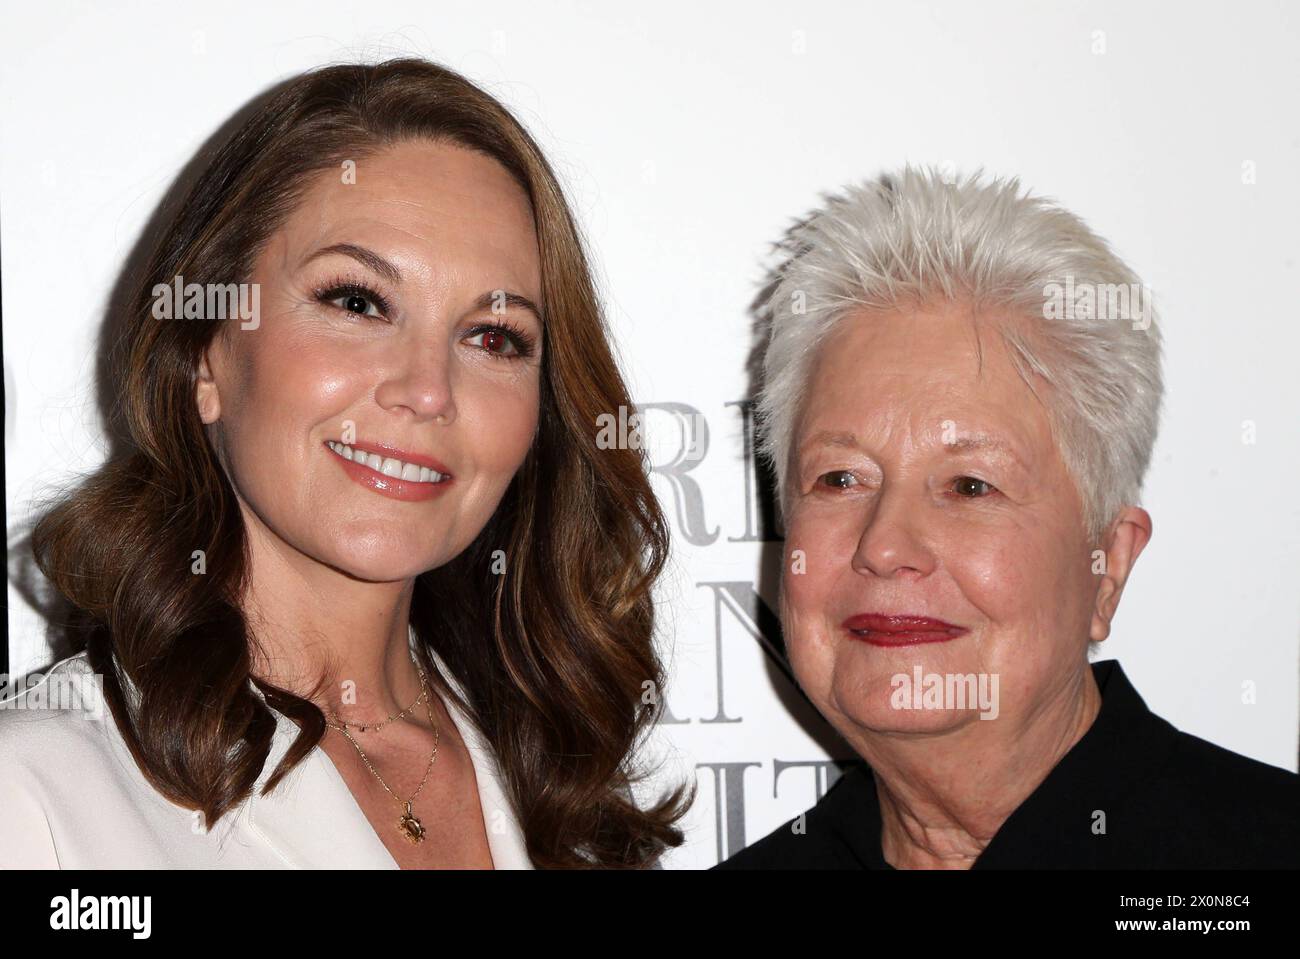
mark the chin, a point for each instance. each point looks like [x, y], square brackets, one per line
[881, 692]
[386, 567]
[872, 710]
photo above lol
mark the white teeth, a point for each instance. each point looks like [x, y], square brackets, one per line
[388, 466]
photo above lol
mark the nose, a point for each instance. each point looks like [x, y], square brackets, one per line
[892, 541]
[421, 380]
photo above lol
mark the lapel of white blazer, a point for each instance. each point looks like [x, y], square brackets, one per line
[505, 837]
[312, 820]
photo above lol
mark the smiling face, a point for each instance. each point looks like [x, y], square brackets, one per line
[395, 314]
[925, 481]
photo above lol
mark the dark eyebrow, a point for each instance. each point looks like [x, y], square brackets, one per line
[489, 299]
[367, 258]
[376, 263]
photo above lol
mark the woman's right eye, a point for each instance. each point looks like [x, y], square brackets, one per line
[356, 300]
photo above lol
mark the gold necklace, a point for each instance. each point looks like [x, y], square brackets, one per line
[409, 824]
[341, 725]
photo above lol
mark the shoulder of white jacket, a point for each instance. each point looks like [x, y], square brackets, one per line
[26, 841]
[43, 743]
[63, 707]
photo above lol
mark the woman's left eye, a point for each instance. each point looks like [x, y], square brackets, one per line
[499, 341]
[494, 341]
[837, 479]
[971, 487]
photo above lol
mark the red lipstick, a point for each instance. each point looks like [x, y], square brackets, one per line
[883, 629]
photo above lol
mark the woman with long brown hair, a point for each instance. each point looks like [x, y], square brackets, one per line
[364, 590]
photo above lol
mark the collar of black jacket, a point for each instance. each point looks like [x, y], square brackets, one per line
[1058, 824]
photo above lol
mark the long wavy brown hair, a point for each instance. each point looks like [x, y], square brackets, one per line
[556, 656]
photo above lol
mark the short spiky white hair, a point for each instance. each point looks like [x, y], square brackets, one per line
[917, 237]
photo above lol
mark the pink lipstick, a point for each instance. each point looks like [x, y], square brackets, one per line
[392, 486]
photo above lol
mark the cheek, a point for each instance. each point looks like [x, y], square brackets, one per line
[819, 550]
[995, 573]
[498, 420]
[281, 393]
[1025, 582]
[310, 375]
[288, 379]
[818, 557]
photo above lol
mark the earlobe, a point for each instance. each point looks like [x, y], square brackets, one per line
[206, 397]
[1099, 629]
[1129, 535]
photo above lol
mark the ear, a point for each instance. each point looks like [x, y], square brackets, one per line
[206, 395]
[1128, 536]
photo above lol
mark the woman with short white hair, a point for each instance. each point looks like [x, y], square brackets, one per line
[961, 393]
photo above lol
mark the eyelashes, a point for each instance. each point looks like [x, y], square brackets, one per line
[346, 288]
[828, 482]
[523, 342]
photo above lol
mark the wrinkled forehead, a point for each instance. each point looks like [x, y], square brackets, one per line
[929, 376]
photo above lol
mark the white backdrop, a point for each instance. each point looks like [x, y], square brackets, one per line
[689, 136]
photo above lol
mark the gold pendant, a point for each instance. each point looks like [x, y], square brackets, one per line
[410, 826]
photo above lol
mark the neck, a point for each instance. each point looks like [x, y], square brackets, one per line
[939, 808]
[339, 641]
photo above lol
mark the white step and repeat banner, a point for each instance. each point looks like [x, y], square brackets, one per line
[689, 137]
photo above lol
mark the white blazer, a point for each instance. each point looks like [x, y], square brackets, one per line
[72, 797]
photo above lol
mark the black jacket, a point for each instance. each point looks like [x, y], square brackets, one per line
[1171, 801]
